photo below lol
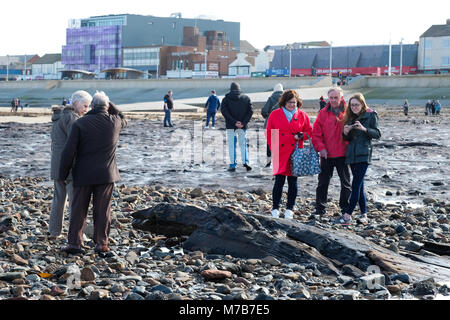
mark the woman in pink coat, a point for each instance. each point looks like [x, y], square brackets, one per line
[286, 125]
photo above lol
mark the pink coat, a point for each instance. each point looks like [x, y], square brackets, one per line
[280, 137]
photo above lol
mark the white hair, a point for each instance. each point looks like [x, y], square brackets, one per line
[81, 96]
[278, 87]
[100, 99]
[338, 90]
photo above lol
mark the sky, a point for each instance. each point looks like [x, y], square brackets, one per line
[39, 27]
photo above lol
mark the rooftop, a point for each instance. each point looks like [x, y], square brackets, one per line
[441, 30]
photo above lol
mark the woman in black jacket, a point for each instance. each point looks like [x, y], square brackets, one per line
[360, 127]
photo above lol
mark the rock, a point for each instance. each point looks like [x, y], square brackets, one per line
[352, 271]
[414, 246]
[46, 297]
[394, 289]
[87, 274]
[19, 260]
[18, 291]
[393, 247]
[301, 293]
[164, 289]
[271, 260]
[56, 291]
[429, 201]
[425, 287]
[134, 296]
[403, 277]
[11, 276]
[32, 278]
[99, 294]
[132, 257]
[263, 296]
[216, 274]
[197, 192]
[224, 289]
[400, 229]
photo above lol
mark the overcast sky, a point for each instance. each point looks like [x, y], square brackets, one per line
[40, 26]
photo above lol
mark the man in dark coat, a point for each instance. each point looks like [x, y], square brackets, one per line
[92, 144]
[168, 108]
[62, 121]
[213, 104]
[237, 110]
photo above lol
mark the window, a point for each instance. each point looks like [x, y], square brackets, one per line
[445, 61]
[174, 25]
[428, 43]
[427, 62]
[446, 44]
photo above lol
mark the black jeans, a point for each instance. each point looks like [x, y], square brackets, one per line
[327, 166]
[278, 191]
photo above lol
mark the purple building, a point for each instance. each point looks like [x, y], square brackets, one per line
[93, 48]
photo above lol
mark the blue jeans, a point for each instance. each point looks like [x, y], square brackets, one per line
[278, 191]
[167, 120]
[210, 115]
[232, 136]
[358, 171]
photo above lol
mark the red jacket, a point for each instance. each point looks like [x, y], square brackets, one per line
[280, 133]
[327, 133]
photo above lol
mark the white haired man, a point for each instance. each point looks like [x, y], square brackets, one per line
[327, 140]
[62, 121]
[92, 144]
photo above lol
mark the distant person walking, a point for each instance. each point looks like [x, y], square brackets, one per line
[237, 110]
[212, 105]
[64, 102]
[62, 122]
[322, 103]
[327, 140]
[13, 105]
[360, 127]
[433, 107]
[286, 125]
[405, 107]
[438, 107]
[168, 108]
[270, 105]
[91, 152]
[428, 108]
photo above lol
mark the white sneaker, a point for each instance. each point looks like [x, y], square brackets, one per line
[275, 213]
[288, 214]
[207, 127]
[213, 128]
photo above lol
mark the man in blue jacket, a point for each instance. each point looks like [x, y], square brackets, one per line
[213, 104]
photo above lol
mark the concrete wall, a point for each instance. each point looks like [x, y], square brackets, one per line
[259, 84]
[409, 81]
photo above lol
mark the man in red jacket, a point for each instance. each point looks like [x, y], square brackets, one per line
[327, 140]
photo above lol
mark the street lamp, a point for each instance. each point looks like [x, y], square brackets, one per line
[7, 67]
[206, 61]
[289, 47]
[401, 55]
[331, 58]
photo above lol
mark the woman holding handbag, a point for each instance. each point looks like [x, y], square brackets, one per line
[360, 127]
[285, 126]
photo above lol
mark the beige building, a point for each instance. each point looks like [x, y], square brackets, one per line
[434, 49]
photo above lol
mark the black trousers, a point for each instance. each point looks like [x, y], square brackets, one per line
[327, 167]
[101, 195]
[277, 191]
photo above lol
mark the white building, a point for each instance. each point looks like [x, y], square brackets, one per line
[434, 49]
[245, 64]
[48, 67]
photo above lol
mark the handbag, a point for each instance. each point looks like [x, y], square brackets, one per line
[305, 161]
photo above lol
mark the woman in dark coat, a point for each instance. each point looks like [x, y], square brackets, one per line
[360, 127]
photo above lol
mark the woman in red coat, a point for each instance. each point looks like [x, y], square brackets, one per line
[286, 125]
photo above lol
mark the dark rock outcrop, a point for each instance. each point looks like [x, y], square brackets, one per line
[222, 231]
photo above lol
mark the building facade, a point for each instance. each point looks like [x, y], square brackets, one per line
[48, 67]
[434, 49]
[350, 60]
[139, 42]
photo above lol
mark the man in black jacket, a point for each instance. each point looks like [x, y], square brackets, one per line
[237, 110]
[92, 144]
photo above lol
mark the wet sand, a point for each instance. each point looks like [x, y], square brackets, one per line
[410, 161]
